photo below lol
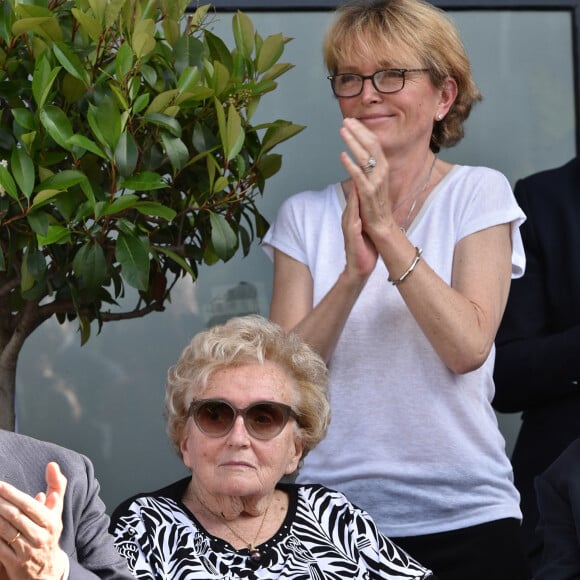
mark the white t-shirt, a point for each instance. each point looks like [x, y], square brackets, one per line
[411, 442]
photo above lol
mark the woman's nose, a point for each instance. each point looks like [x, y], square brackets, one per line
[369, 92]
[239, 434]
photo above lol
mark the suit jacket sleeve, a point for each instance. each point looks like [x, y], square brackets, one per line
[85, 537]
[558, 492]
[539, 337]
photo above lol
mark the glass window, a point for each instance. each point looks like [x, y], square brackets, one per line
[106, 399]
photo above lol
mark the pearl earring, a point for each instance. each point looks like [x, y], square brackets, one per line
[440, 116]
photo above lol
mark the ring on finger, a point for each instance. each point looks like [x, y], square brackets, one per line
[371, 164]
[18, 534]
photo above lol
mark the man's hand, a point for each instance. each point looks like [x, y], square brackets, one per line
[30, 530]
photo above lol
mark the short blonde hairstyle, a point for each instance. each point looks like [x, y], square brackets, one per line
[247, 340]
[367, 28]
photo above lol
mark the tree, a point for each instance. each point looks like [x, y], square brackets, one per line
[128, 157]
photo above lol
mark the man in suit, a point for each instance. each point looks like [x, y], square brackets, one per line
[537, 365]
[57, 534]
[558, 490]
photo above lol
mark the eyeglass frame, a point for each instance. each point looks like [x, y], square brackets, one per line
[287, 413]
[401, 71]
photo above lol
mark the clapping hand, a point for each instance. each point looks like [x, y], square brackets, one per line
[30, 530]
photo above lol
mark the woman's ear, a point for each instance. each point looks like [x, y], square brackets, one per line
[184, 446]
[294, 455]
[447, 98]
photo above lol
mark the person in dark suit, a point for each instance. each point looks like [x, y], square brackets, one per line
[60, 533]
[558, 491]
[537, 364]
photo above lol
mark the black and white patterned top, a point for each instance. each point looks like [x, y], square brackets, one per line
[323, 537]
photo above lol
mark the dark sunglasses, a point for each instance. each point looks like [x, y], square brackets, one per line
[263, 419]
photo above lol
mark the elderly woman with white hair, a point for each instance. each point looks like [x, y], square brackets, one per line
[244, 404]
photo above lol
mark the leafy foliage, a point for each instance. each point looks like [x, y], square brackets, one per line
[127, 153]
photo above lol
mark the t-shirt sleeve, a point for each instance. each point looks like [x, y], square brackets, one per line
[285, 233]
[493, 203]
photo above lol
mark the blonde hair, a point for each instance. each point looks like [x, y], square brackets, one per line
[246, 340]
[367, 28]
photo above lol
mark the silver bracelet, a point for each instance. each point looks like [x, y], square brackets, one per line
[418, 252]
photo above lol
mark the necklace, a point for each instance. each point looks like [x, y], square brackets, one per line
[255, 554]
[405, 223]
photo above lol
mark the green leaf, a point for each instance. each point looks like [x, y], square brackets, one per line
[126, 154]
[143, 40]
[56, 234]
[199, 15]
[218, 49]
[222, 126]
[188, 52]
[168, 123]
[98, 9]
[261, 88]
[44, 196]
[57, 125]
[85, 143]
[89, 264]
[23, 171]
[33, 269]
[162, 101]
[46, 27]
[124, 61]
[132, 253]
[235, 134]
[84, 328]
[188, 79]
[25, 119]
[143, 43]
[277, 70]
[220, 78]
[88, 191]
[88, 23]
[151, 208]
[177, 259]
[197, 94]
[243, 34]
[38, 222]
[140, 103]
[145, 181]
[7, 183]
[223, 237]
[176, 150]
[42, 80]
[119, 96]
[71, 62]
[105, 122]
[220, 184]
[149, 74]
[73, 90]
[31, 10]
[118, 205]
[277, 133]
[63, 180]
[270, 52]
[269, 165]
[113, 10]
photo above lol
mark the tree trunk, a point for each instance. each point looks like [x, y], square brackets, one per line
[7, 389]
[13, 332]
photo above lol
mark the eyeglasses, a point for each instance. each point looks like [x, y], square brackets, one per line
[263, 419]
[390, 80]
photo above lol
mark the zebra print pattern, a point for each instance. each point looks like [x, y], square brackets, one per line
[324, 537]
